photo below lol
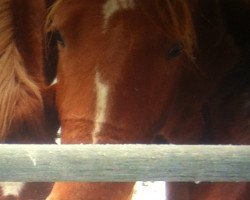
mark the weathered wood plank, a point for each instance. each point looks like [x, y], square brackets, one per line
[124, 163]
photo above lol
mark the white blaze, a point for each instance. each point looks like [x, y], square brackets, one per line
[11, 188]
[112, 6]
[102, 91]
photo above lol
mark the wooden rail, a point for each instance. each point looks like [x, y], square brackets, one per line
[124, 163]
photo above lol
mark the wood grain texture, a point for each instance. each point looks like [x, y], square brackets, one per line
[47, 163]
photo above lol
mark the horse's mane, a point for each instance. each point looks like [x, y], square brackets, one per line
[175, 18]
[13, 76]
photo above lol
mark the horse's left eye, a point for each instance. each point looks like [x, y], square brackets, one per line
[175, 50]
[57, 35]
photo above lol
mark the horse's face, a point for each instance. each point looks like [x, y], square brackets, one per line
[125, 73]
[119, 69]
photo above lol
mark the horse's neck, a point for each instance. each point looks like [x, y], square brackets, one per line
[228, 107]
[236, 15]
[225, 59]
[216, 49]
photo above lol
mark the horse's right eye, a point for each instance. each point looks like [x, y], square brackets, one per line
[175, 50]
[57, 35]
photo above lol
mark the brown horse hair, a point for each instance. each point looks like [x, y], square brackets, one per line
[175, 18]
[16, 87]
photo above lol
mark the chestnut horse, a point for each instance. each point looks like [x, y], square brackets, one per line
[130, 71]
[26, 109]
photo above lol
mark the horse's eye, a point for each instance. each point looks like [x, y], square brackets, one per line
[175, 50]
[58, 37]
